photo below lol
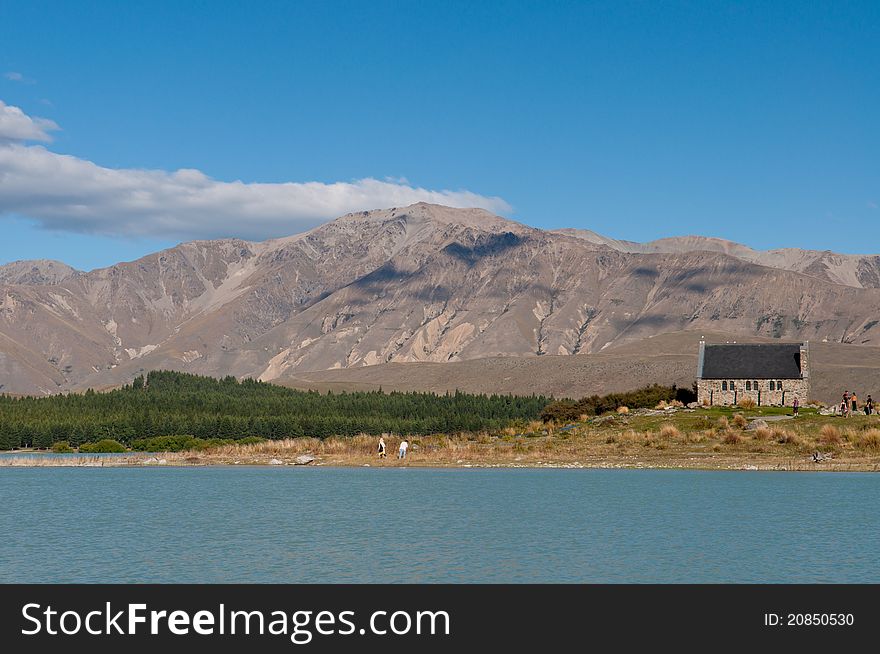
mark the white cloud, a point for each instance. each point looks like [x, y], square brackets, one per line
[14, 76]
[67, 193]
[15, 125]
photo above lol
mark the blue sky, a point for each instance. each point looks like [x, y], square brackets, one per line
[752, 121]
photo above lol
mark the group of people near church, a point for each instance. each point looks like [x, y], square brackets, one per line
[850, 405]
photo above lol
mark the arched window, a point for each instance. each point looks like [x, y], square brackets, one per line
[755, 385]
[779, 386]
[733, 386]
[748, 385]
[772, 386]
[724, 386]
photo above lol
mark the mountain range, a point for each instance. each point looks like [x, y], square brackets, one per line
[418, 285]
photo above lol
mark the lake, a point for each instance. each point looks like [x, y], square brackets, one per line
[287, 525]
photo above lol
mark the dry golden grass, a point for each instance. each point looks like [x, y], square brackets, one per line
[723, 422]
[740, 421]
[870, 440]
[762, 433]
[788, 438]
[731, 437]
[829, 435]
[668, 432]
[623, 410]
[747, 403]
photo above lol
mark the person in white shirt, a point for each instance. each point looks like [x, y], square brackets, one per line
[381, 447]
[401, 454]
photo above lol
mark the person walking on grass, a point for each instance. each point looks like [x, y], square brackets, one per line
[844, 406]
[869, 406]
[381, 447]
[404, 445]
[795, 407]
[855, 402]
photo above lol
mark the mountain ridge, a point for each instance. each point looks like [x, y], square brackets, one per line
[423, 283]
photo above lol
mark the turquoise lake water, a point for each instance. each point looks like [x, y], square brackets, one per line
[234, 524]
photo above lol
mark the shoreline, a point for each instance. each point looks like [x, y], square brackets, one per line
[169, 460]
[666, 438]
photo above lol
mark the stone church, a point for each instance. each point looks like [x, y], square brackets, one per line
[769, 373]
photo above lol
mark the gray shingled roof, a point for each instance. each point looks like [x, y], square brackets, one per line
[752, 361]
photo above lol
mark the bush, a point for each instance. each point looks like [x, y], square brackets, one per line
[870, 440]
[740, 421]
[731, 438]
[562, 411]
[104, 446]
[623, 410]
[165, 443]
[62, 447]
[669, 432]
[747, 403]
[762, 433]
[829, 435]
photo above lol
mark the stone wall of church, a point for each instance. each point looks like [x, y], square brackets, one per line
[727, 392]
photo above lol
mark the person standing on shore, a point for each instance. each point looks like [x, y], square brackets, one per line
[844, 406]
[855, 402]
[381, 447]
[404, 445]
[869, 406]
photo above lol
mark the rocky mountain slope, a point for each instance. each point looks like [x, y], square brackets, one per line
[417, 284]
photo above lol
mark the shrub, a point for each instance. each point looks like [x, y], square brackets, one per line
[788, 438]
[762, 433]
[594, 405]
[669, 432]
[561, 411]
[103, 446]
[62, 447]
[747, 403]
[164, 443]
[870, 440]
[740, 421]
[731, 438]
[829, 435]
[723, 423]
[623, 410]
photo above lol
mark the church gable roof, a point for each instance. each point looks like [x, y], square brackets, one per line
[752, 361]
